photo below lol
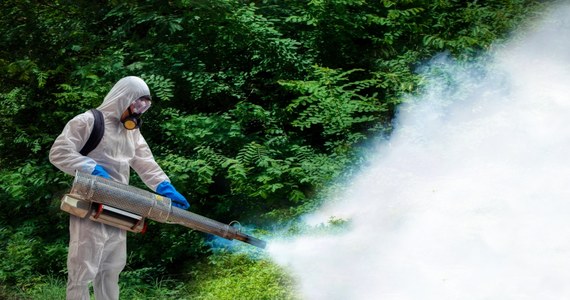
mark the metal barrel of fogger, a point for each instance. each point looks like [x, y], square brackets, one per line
[152, 206]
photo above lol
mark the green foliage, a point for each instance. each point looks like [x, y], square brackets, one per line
[221, 150]
[190, 131]
[146, 283]
[46, 288]
[335, 104]
[161, 87]
[237, 276]
[18, 250]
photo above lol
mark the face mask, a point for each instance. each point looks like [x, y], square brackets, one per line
[136, 109]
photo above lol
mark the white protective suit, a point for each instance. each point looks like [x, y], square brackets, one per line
[97, 252]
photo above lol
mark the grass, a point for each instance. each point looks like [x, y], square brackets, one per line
[224, 276]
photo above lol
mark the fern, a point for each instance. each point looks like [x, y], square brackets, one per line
[12, 103]
[252, 154]
[160, 86]
[335, 103]
[210, 155]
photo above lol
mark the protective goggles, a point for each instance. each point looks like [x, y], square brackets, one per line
[140, 105]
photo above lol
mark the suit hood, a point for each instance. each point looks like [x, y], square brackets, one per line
[123, 93]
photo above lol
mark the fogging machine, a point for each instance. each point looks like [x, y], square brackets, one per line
[128, 207]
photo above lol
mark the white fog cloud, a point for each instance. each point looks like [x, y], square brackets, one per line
[470, 196]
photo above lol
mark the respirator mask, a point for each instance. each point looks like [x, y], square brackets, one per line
[132, 119]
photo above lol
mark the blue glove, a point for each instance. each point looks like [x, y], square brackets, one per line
[99, 171]
[167, 190]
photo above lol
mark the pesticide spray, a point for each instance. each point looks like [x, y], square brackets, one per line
[470, 196]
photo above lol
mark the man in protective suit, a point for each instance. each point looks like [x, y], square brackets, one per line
[97, 252]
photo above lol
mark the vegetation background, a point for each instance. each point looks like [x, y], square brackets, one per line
[260, 106]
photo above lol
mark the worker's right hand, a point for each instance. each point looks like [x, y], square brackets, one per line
[99, 171]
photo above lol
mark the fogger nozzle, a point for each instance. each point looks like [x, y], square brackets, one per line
[126, 206]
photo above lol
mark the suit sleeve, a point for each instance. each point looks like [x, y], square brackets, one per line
[146, 167]
[64, 153]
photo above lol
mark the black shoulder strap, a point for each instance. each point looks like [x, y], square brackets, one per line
[96, 134]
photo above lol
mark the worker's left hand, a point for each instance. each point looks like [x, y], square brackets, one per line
[100, 171]
[166, 189]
